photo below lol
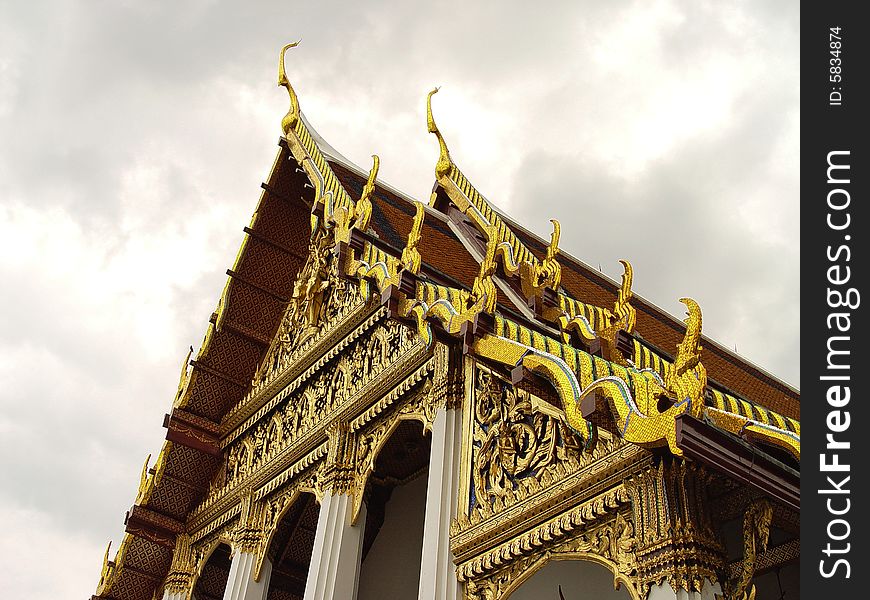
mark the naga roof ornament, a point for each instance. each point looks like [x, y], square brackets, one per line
[292, 117]
[483, 293]
[687, 379]
[411, 259]
[622, 309]
[442, 167]
[364, 204]
[533, 275]
[355, 216]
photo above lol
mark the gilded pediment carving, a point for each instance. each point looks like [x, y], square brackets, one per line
[320, 297]
[326, 391]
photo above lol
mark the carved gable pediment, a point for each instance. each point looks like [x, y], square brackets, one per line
[320, 298]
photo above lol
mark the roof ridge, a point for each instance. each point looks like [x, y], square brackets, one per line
[305, 149]
[468, 198]
[507, 229]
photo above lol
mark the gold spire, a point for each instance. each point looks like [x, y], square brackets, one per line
[292, 117]
[687, 378]
[185, 377]
[442, 167]
[143, 481]
[410, 255]
[364, 206]
[622, 309]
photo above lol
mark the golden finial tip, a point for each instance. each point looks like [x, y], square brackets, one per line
[282, 75]
[693, 316]
[442, 167]
[373, 172]
[430, 118]
[627, 271]
[690, 303]
[292, 117]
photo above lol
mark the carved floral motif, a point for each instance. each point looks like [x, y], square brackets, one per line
[512, 440]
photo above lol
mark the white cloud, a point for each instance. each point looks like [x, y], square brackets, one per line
[141, 133]
[60, 562]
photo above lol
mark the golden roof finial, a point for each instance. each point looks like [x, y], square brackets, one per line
[292, 117]
[534, 275]
[363, 209]
[553, 248]
[185, 377]
[623, 309]
[687, 379]
[483, 290]
[442, 167]
[410, 255]
[689, 350]
[143, 481]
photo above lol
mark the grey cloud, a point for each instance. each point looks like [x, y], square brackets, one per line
[679, 241]
[97, 90]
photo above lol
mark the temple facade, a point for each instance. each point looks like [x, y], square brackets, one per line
[404, 400]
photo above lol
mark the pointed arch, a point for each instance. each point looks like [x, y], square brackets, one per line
[209, 556]
[619, 579]
[371, 445]
[305, 501]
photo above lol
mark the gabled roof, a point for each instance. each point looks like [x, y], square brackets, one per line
[445, 248]
[310, 181]
[258, 287]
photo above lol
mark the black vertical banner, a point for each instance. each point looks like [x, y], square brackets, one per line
[835, 452]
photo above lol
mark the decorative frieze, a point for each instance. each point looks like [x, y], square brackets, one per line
[599, 530]
[337, 383]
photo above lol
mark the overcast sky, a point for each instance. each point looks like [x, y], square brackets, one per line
[135, 135]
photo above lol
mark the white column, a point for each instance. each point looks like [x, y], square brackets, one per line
[241, 584]
[333, 573]
[664, 591]
[167, 595]
[437, 572]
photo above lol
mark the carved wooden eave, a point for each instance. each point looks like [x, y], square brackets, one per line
[238, 333]
[727, 454]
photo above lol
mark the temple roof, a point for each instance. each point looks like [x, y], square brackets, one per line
[443, 249]
[465, 244]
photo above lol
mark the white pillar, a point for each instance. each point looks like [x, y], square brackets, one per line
[437, 572]
[241, 584]
[167, 595]
[664, 591]
[333, 573]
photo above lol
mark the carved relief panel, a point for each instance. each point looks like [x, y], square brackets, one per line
[320, 298]
[326, 391]
[534, 492]
[512, 440]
